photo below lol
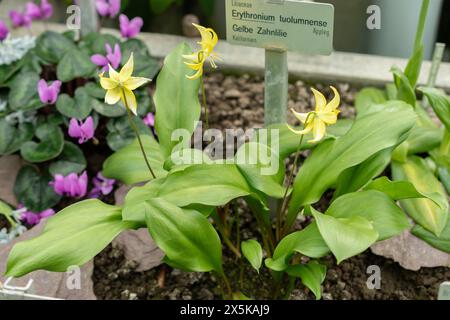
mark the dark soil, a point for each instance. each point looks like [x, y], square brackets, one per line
[237, 102]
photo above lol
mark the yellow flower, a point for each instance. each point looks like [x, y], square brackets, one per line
[120, 85]
[317, 121]
[196, 60]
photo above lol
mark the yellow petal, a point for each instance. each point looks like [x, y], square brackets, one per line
[328, 117]
[107, 83]
[321, 101]
[191, 57]
[113, 96]
[113, 74]
[194, 66]
[302, 116]
[135, 82]
[334, 104]
[127, 70]
[319, 130]
[307, 130]
[130, 100]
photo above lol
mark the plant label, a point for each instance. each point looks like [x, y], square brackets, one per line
[444, 291]
[289, 25]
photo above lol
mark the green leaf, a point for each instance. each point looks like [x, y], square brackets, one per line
[346, 237]
[95, 90]
[159, 6]
[186, 237]
[70, 238]
[94, 43]
[52, 46]
[370, 134]
[211, 185]
[405, 90]
[74, 64]
[252, 251]
[80, 107]
[7, 212]
[24, 93]
[311, 274]
[121, 133]
[107, 110]
[12, 138]
[308, 242]
[70, 160]
[128, 165]
[176, 99]
[440, 103]
[262, 168]
[50, 146]
[424, 211]
[368, 97]
[412, 71]
[378, 208]
[442, 242]
[32, 189]
[354, 178]
[423, 139]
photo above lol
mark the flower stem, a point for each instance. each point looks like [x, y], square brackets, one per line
[205, 107]
[136, 132]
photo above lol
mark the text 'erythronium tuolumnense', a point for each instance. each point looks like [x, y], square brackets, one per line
[120, 85]
[316, 121]
[196, 60]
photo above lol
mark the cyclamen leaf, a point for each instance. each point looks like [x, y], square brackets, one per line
[70, 238]
[50, 146]
[74, 64]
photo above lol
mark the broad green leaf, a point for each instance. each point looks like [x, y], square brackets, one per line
[311, 274]
[346, 237]
[32, 189]
[252, 251]
[424, 211]
[308, 242]
[12, 138]
[95, 90]
[369, 135]
[186, 237]
[440, 103]
[176, 99]
[52, 46]
[135, 46]
[70, 160]
[51, 144]
[211, 185]
[262, 168]
[24, 94]
[405, 90]
[70, 238]
[412, 71]
[94, 43]
[128, 164]
[442, 242]
[121, 134]
[423, 139]
[368, 97]
[378, 208]
[352, 179]
[78, 107]
[74, 64]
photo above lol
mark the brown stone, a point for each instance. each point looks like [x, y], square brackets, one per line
[50, 284]
[9, 168]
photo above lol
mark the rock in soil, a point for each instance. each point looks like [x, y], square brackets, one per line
[51, 284]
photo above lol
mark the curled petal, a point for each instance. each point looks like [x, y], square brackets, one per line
[130, 100]
[321, 101]
[319, 130]
[197, 75]
[108, 83]
[302, 117]
[113, 74]
[307, 130]
[113, 96]
[328, 117]
[127, 70]
[334, 104]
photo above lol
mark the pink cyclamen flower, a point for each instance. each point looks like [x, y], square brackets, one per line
[112, 58]
[33, 218]
[102, 186]
[73, 186]
[149, 120]
[46, 9]
[4, 31]
[84, 131]
[19, 20]
[109, 8]
[33, 11]
[130, 29]
[49, 93]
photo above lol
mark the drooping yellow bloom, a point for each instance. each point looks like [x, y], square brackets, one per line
[196, 60]
[120, 85]
[324, 114]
